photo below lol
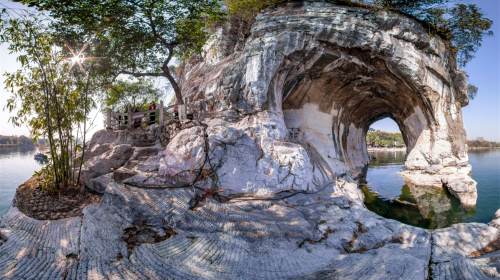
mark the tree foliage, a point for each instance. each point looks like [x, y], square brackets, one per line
[16, 140]
[45, 97]
[472, 89]
[247, 9]
[138, 94]
[463, 25]
[136, 38]
[482, 144]
[384, 139]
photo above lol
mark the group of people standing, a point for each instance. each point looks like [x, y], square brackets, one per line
[137, 120]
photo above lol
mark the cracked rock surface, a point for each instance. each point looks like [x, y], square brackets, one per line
[293, 235]
[318, 74]
[253, 191]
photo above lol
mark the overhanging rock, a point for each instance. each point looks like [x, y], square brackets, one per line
[317, 75]
[287, 108]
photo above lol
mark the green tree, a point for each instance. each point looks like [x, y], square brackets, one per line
[138, 94]
[383, 138]
[137, 38]
[472, 89]
[45, 97]
[464, 26]
[486, 144]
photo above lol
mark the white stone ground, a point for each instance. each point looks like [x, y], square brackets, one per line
[324, 235]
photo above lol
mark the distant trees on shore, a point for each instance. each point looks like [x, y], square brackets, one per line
[16, 140]
[482, 144]
[384, 139]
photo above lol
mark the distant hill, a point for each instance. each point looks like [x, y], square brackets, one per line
[15, 141]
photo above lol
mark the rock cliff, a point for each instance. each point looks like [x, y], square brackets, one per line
[312, 77]
[264, 187]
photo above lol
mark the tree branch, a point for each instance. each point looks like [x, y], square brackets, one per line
[169, 76]
[142, 74]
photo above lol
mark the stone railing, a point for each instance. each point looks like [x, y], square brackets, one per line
[130, 119]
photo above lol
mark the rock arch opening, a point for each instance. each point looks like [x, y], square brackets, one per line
[319, 75]
[330, 105]
[385, 133]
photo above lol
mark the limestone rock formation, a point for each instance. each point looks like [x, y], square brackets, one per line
[262, 187]
[318, 75]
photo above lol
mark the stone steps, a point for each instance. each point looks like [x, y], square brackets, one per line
[143, 142]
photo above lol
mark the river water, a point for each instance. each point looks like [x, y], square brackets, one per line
[387, 193]
[16, 166]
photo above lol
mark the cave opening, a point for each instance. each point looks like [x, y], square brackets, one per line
[330, 105]
[385, 133]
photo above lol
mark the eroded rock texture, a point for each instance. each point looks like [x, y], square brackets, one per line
[319, 75]
[261, 188]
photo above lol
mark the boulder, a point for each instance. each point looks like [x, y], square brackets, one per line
[99, 184]
[181, 162]
[123, 173]
[100, 165]
[423, 178]
[464, 188]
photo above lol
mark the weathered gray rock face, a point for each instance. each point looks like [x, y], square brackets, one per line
[318, 75]
[323, 235]
[110, 150]
[289, 108]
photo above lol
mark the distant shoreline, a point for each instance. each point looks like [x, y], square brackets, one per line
[387, 149]
[14, 145]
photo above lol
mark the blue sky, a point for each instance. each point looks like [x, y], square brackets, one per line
[481, 116]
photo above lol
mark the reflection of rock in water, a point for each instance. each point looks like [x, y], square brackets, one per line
[438, 206]
[420, 206]
[433, 203]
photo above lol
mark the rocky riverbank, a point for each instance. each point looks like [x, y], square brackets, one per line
[264, 186]
[183, 233]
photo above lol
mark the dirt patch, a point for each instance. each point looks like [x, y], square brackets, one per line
[491, 247]
[36, 203]
[134, 236]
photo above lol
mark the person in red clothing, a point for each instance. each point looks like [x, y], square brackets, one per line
[152, 115]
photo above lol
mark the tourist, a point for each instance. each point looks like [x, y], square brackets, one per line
[119, 118]
[125, 117]
[136, 118]
[152, 116]
[176, 110]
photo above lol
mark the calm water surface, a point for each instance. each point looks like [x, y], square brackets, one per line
[387, 193]
[16, 166]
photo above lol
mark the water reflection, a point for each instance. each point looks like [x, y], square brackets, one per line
[386, 157]
[420, 206]
[17, 164]
[389, 195]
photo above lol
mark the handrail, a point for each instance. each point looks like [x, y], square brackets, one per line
[144, 112]
[115, 120]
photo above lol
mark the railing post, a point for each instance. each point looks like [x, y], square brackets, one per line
[161, 112]
[129, 121]
[182, 111]
[108, 125]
